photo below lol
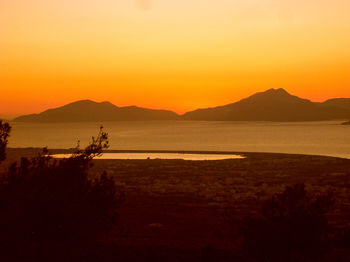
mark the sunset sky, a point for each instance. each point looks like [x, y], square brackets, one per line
[171, 54]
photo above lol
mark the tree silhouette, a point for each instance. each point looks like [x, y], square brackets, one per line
[292, 227]
[4, 134]
[51, 210]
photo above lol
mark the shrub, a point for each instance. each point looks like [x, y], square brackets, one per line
[50, 209]
[4, 133]
[292, 227]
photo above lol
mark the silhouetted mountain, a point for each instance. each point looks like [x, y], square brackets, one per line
[87, 110]
[338, 102]
[271, 105]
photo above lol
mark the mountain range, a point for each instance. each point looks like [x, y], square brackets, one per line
[88, 111]
[271, 105]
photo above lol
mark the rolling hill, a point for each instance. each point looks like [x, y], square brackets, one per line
[89, 111]
[338, 102]
[272, 105]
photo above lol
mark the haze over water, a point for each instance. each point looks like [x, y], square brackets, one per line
[317, 138]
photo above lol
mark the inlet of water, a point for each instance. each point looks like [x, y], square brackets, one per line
[183, 156]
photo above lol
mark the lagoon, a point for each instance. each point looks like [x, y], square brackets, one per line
[328, 138]
[140, 156]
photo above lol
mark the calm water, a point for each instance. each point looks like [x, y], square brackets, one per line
[321, 138]
[161, 156]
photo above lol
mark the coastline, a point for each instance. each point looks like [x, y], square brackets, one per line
[32, 151]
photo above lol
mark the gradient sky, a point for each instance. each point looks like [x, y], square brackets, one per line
[173, 54]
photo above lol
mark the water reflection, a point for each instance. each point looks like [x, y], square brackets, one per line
[162, 156]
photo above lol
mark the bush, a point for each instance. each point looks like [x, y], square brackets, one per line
[4, 133]
[292, 227]
[50, 209]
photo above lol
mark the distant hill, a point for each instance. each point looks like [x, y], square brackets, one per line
[273, 105]
[338, 102]
[88, 111]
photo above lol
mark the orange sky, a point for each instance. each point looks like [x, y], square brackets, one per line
[178, 55]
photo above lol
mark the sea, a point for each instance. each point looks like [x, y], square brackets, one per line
[328, 138]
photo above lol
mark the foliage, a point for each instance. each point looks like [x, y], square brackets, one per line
[50, 208]
[4, 134]
[292, 227]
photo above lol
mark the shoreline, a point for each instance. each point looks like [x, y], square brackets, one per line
[29, 150]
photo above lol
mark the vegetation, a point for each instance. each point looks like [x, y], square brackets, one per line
[51, 210]
[4, 134]
[292, 227]
[54, 210]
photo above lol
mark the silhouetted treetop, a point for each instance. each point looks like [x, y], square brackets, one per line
[4, 134]
[51, 210]
[292, 227]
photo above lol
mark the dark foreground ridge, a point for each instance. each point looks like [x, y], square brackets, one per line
[271, 105]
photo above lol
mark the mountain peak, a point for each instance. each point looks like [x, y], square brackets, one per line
[278, 91]
[270, 105]
[83, 101]
[86, 103]
[273, 95]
